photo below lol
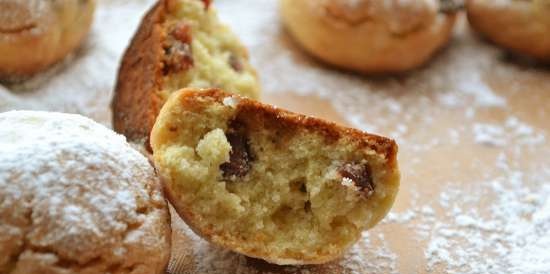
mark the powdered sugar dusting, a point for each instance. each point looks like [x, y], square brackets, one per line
[73, 189]
[25, 16]
[511, 131]
[513, 238]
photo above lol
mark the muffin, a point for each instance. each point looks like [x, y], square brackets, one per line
[520, 26]
[36, 34]
[370, 37]
[76, 198]
[268, 183]
[179, 43]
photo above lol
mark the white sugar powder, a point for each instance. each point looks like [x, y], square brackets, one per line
[71, 186]
[510, 131]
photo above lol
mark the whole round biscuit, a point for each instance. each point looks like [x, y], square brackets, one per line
[520, 26]
[35, 34]
[76, 198]
[370, 36]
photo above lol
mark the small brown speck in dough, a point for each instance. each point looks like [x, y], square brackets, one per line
[361, 176]
[239, 158]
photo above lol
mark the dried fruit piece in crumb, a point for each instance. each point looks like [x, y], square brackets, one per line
[239, 158]
[361, 176]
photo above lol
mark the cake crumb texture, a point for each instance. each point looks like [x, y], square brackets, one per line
[179, 43]
[268, 183]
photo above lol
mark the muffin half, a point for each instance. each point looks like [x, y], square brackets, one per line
[268, 183]
[180, 43]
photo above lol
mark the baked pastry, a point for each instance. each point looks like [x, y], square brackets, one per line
[35, 34]
[76, 198]
[193, 255]
[370, 36]
[268, 183]
[521, 26]
[179, 43]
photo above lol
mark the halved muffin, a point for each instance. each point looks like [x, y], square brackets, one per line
[268, 183]
[180, 43]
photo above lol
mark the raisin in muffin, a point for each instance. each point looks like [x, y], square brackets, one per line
[521, 26]
[77, 199]
[36, 34]
[370, 36]
[179, 43]
[268, 183]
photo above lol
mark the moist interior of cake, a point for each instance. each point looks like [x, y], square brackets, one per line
[287, 188]
[201, 52]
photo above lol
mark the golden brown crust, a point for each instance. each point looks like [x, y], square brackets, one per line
[259, 114]
[136, 101]
[369, 36]
[35, 35]
[255, 117]
[160, 59]
[519, 26]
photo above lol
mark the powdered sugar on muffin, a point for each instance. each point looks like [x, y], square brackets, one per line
[76, 197]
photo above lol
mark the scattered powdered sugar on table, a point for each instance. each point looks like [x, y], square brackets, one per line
[511, 235]
[512, 131]
[514, 239]
[497, 223]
